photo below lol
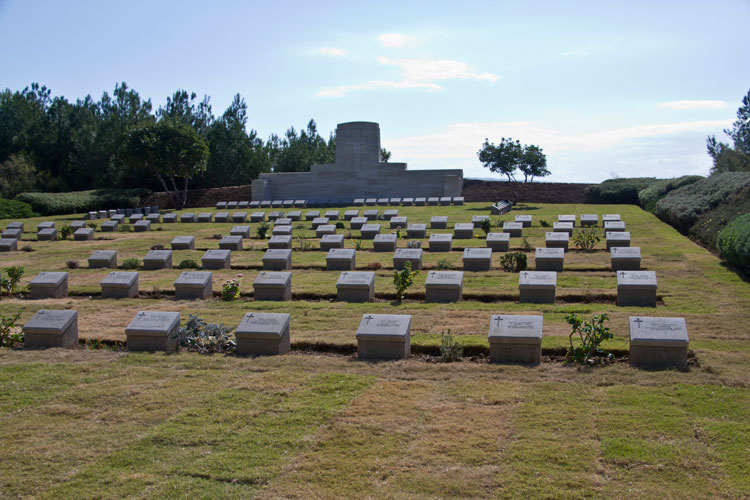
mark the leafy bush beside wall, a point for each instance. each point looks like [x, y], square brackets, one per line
[734, 242]
[82, 201]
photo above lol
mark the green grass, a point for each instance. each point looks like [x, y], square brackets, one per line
[108, 424]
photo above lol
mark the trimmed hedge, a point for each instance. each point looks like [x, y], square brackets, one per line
[734, 242]
[12, 209]
[83, 201]
[682, 207]
[708, 226]
[648, 197]
[618, 191]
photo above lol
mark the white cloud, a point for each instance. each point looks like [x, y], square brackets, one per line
[418, 74]
[395, 40]
[332, 51]
[705, 104]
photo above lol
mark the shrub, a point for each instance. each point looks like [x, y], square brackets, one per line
[586, 239]
[525, 245]
[591, 335]
[14, 209]
[158, 246]
[262, 230]
[340, 225]
[544, 223]
[303, 244]
[10, 284]
[188, 264]
[124, 228]
[27, 248]
[374, 266]
[131, 263]
[359, 244]
[734, 242]
[72, 264]
[444, 264]
[618, 191]
[65, 231]
[231, 288]
[450, 348]
[513, 262]
[205, 338]
[414, 244]
[486, 226]
[217, 236]
[10, 334]
[403, 279]
[82, 201]
[648, 197]
[92, 225]
[682, 207]
[299, 225]
[708, 226]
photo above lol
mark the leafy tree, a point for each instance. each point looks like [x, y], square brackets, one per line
[510, 155]
[184, 108]
[298, 152]
[17, 175]
[170, 150]
[733, 159]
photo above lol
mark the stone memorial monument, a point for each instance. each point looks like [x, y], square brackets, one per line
[384, 337]
[153, 331]
[51, 328]
[658, 342]
[260, 334]
[516, 339]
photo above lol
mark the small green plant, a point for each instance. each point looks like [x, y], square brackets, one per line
[403, 279]
[591, 334]
[544, 223]
[158, 246]
[125, 228]
[486, 226]
[303, 244]
[513, 262]
[586, 239]
[414, 244]
[525, 245]
[217, 236]
[398, 233]
[340, 225]
[10, 334]
[92, 225]
[359, 244]
[27, 248]
[299, 226]
[71, 264]
[10, 284]
[231, 288]
[262, 230]
[444, 264]
[65, 231]
[131, 263]
[450, 348]
[188, 264]
[205, 338]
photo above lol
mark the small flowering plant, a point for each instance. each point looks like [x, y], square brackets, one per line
[231, 288]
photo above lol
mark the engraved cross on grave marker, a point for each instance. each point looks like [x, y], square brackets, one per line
[622, 274]
[498, 319]
[638, 321]
[368, 318]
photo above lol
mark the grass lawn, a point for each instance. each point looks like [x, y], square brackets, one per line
[86, 423]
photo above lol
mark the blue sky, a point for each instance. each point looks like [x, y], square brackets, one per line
[605, 88]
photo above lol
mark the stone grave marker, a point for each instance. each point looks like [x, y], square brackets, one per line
[169, 218]
[12, 233]
[239, 217]
[78, 224]
[243, 231]
[51, 328]
[615, 225]
[549, 259]
[287, 203]
[187, 217]
[276, 214]
[524, 219]
[368, 231]
[498, 242]
[221, 217]
[49, 285]
[625, 258]
[403, 255]
[589, 220]
[356, 286]
[282, 230]
[294, 215]
[441, 242]
[458, 200]
[330, 241]
[445, 200]
[135, 218]
[384, 243]
[636, 288]
[390, 214]
[384, 337]
[416, 230]
[332, 214]
[477, 259]
[243, 204]
[120, 285]
[407, 202]
[183, 243]
[383, 202]
[254, 204]
[277, 259]
[357, 222]
[319, 221]
[142, 226]
[398, 222]
[617, 239]
[205, 217]
[324, 229]
[194, 285]
[420, 201]
[477, 220]
[153, 331]
[658, 343]
[370, 202]
[341, 259]
[265, 204]
[350, 214]
[109, 226]
[45, 225]
[567, 218]
[118, 218]
[556, 240]
[257, 217]
[158, 259]
[311, 215]
[8, 244]
[106, 259]
[537, 287]
[263, 334]
[231, 243]
[15, 225]
[277, 203]
[220, 205]
[280, 242]
[516, 339]
[233, 204]
[155, 218]
[514, 229]
[439, 222]
[444, 286]
[433, 201]
[358, 202]
[463, 231]
[563, 227]
[394, 201]
[216, 259]
[47, 234]
[273, 285]
[283, 221]
[371, 215]
[610, 217]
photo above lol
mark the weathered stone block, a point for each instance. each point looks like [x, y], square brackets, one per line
[636, 288]
[341, 259]
[120, 285]
[158, 259]
[273, 285]
[498, 242]
[625, 258]
[567, 218]
[263, 334]
[440, 242]
[403, 255]
[478, 220]
[563, 227]
[325, 229]
[239, 217]
[194, 285]
[243, 231]
[477, 259]
[231, 243]
[277, 260]
[216, 259]
[368, 231]
[356, 286]
[187, 217]
[525, 220]
[51, 328]
[549, 259]
[47, 234]
[384, 243]
[357, 222]
[537, 287]
[142, 226]
[47, 285]
[516, 339]
[103, 259]
[330, 241]
[153, 331]
[371, 215]
[384, 337]
[589, 220]
[280, 242]
[444, 286]
[183, 243]
[557, 240]
[514, 229]
[416, 230]
[463, 231]
[658, 343]
[615, 225]
[398, 222]
[617, 239]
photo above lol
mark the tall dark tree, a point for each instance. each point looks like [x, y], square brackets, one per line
[732, 159]
[298, 152]
[185, 108]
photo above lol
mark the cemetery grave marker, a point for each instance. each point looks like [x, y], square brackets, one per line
[153, 331]
[106, 259]
[384, 243]
[120, 285]
[49, 285]
[183, 243]
[384, 337]
[625, 258]
[658, 343]
[277, 259]
[194, 285]
[537, 287]
[158, 259]
[51, 328]
[549, 259]
[636, 288]
[341, 259]
[444, 286]
[356, 286]
[516, 339]
[441, 242]
[273, 285]
[477, 259]
[216, 259]
[263, 334]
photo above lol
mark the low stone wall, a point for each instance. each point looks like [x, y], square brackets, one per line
[529, 192]
[202, 197]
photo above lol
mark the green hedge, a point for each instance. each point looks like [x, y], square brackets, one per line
[648, 197]
[618, 191]
[12, 209]
[83, 201]
[682, 207]
[734, 242]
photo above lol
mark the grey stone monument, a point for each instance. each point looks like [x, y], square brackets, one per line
[614, 225]
[515, 229]
[243, 231]
[183, 243]
[356, 286]
[416, 231]
[277, 260]
[498, 242]
[8, 244]
[537, 287]
[120, 285]
[557, 240]
[478, 220]
[463, 231]
[563, 227]
[330, 241]
[263, 334]
[49, 285]
[256, 217]
[153, 331]
[567, 218]
[103, 259]
[216, 259]
[368, 231]
[625, 258]
[51, 328]
[384, 243]
[403, 255]
[524, 219]
[109, 226]
[357, 222]
[239, 217]
[549, 259]
[617, 239]
[47, 234]
[444, 286]
[221, 217]
[194, 285]
[169, 218]
[658, 343]
[441, 242]
[280, 242]
[158, 259]
[516, 339]
[273, 285]
[477, 259]
[589, 220]
[187, 217]
[384, 337]
[636, 288]
[439, 222]
[231, 243]
[398, 222]
[205, 217]
[324, 229]
[341, 259]
[141, 226]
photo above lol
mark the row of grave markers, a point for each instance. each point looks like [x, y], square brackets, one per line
[357, 202]
[654, 342]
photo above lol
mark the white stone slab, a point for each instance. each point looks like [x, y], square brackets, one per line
[515, 329]
[384, 327]
[658, 332]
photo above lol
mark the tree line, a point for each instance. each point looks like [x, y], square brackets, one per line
[48, 143]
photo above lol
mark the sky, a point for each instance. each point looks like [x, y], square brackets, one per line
[605, 88]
